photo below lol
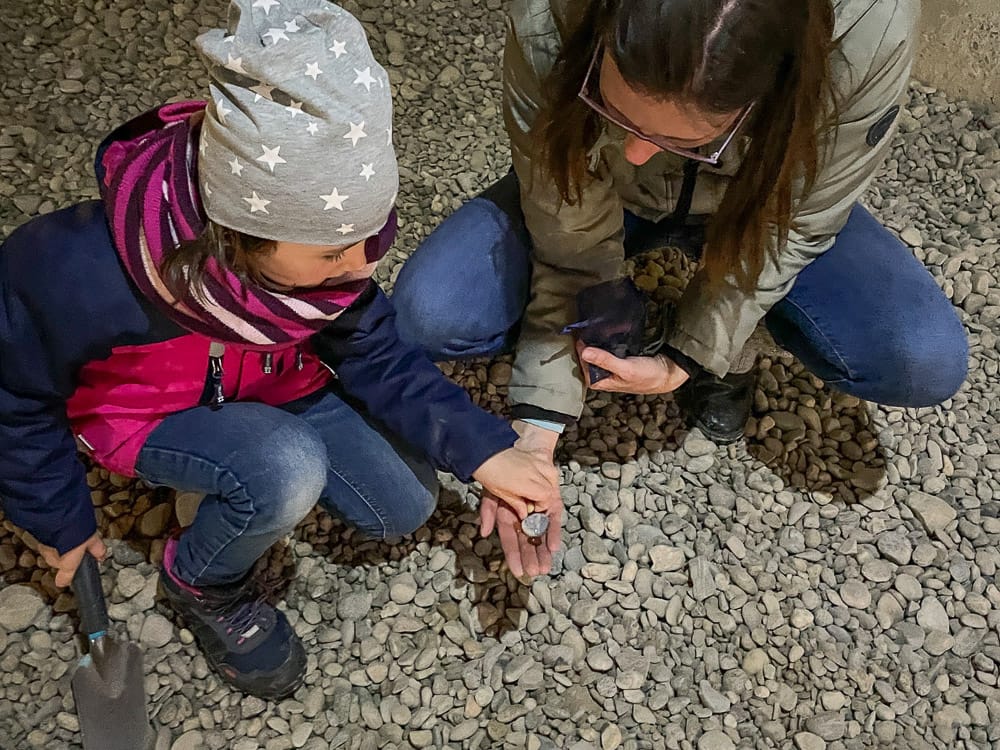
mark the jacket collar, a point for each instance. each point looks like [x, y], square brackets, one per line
[848, 13]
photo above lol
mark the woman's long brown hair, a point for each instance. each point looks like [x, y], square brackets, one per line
[719, 55]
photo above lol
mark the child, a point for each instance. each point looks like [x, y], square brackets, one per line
[185, 330]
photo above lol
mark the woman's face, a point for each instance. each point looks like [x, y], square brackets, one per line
[295, 265]
[684, 125]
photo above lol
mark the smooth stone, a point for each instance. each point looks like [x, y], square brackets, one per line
[157, 631]
[153, 523]
[715, 740]
[355, 605]
[809, 741]
[130, 582]
[712, 699]
[855, 594]
[934, 513]
[932, 615]
[895, 547]
[666, 559]
[20, 607]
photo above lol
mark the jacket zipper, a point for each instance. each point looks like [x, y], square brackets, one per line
[214, 393]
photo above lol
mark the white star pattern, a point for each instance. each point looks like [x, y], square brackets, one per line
[313, 128]
[266, 5]
[357, 133]
[313, 71]
[364, 78]
[338, 48]
[346, 228]
[235, 167]
[271, 157]
[276, 35]
[291, 26]
[262, 91]
[367, 171]
[207, 189]
[294, 108]
[221, 111]
[334, 200]
[257, 203]
[235, 64]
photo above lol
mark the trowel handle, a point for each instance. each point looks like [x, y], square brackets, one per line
[90, 598]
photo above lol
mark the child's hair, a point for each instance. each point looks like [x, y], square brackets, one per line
[183, 269]
[720, 55]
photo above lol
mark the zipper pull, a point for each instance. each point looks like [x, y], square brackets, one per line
[216, 352]
[268, 366]
[299, 365]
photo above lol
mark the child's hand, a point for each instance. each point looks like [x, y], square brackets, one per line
[525, 558]
[526, 480]
[65, 565]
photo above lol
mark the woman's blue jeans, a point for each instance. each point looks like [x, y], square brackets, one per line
[263, 468]
[866, 316]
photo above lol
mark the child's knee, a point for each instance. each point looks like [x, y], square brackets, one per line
[414, 513]
[291, 475]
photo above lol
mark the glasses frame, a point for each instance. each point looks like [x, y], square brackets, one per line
[713, 160]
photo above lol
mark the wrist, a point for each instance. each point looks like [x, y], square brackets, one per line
[533, 437]
[674, 376]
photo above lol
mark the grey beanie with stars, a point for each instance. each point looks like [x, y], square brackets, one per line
[296, 144]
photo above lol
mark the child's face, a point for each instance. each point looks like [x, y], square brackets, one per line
[295, 265]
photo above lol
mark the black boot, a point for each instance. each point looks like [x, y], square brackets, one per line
[248, 643]
[719, 407]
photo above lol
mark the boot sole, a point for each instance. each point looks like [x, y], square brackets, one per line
[716, 437]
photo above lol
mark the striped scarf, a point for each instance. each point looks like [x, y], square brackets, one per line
[151, 196]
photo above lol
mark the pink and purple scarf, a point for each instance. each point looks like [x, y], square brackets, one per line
[151, 196]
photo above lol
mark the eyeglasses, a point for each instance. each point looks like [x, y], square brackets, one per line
[592, 100]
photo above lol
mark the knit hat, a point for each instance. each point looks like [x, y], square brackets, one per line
[297, 140]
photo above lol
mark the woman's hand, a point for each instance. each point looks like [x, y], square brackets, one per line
[524, 557]
[66, 564]
[523, 478]
[641, 375]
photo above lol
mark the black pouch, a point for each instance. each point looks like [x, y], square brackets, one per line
[612, 316]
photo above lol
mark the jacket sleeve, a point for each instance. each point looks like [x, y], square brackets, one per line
[401, 387]
[43, 485]
[574, 246]
[713, 323]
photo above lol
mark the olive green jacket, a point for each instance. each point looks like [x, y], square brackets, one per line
[578, 245]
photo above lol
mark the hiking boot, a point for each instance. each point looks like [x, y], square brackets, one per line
[719, 407]
[247, 642]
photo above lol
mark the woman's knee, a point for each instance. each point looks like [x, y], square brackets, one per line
[466, 286]
[919, 368]
[937, 366]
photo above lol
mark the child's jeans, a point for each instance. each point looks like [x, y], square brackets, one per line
[263, 468]
[866, 316]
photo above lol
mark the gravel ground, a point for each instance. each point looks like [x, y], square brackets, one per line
[830, 584]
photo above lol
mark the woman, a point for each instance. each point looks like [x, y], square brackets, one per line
[740, 130]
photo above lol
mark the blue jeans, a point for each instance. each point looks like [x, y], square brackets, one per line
[866, 316]
[263, 468]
